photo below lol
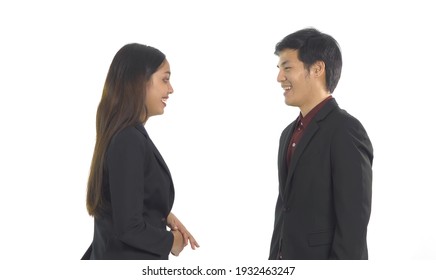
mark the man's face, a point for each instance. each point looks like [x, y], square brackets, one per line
[294, 78]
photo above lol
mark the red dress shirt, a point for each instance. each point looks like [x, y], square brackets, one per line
[300, 124]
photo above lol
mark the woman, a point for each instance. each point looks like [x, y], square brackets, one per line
[130, 191]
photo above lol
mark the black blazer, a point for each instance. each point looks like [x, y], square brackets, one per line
[324, 200]
[138, 185]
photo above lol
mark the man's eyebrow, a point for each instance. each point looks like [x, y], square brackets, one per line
[282, 64]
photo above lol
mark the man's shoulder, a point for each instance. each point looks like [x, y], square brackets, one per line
[343, 123]
[348, 119]
[341, 117]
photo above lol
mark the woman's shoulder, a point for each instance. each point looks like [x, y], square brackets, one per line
[128, 146]
[129, 135]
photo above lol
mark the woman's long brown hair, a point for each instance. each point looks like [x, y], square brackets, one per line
[122, 104]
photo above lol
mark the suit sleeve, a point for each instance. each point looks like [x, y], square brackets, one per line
[127, 159]
[352, 156]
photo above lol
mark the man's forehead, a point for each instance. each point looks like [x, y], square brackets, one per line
[288, 56]
[288, 53]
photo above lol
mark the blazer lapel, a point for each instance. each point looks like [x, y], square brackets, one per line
[305, 140]
[283, 149]
[156, 153]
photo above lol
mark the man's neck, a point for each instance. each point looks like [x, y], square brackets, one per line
[305, 109]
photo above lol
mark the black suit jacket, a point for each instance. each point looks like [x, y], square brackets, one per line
[138, 185]
[324, 201]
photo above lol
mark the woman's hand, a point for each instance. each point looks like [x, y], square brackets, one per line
[178, 243]
[176, 225]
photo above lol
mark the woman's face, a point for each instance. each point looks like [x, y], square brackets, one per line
[158, 89]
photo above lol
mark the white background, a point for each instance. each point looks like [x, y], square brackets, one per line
[220, 132]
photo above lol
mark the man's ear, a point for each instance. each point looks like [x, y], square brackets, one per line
[318, 68]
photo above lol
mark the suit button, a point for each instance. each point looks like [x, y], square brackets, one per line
[284, 209]
[163, 220]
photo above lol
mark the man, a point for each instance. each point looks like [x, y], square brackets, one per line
[324, 160]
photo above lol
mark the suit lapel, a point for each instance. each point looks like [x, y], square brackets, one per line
[154, 149]
[304, 141]
[283, 149]
[309, 133]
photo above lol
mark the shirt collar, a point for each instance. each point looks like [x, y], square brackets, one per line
[304, 121]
